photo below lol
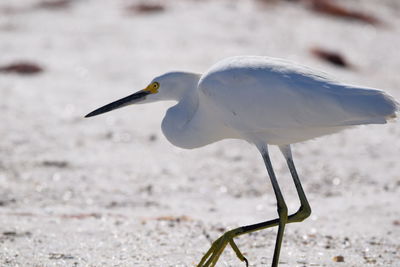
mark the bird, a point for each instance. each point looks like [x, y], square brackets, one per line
[266, 102]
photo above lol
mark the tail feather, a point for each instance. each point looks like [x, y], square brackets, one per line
[396, 108]
[374, 105]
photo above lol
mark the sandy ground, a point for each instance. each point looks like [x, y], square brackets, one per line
[111, 191]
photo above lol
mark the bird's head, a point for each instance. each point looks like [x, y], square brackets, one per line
[169, 86]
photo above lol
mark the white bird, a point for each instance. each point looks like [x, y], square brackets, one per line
[264, 101]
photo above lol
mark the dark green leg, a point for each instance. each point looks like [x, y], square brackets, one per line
[305, 209]
[281, 205]
[213, 254]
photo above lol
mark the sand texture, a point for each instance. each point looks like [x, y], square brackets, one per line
[111, 190]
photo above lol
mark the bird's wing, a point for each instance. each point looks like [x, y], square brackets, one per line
[258, 94]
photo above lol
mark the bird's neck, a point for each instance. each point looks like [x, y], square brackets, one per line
[176, 122]
[188, 101]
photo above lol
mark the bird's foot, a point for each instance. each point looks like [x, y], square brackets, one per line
[210, 259]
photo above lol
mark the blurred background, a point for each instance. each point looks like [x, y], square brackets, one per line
[111, 191]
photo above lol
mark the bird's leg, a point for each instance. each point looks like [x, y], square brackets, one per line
[213, 254]
[305, 210]
[281, 206]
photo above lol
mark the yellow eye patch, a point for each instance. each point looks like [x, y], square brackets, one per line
[152, 88]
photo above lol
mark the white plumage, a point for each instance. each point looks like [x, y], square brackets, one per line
[266, 102]
[262, 99]
[284, 103]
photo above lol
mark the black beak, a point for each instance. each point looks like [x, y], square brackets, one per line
[130, 99]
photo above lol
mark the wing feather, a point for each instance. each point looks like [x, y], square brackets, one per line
[256, 93]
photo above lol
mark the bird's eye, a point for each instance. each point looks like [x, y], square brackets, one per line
[152, 88]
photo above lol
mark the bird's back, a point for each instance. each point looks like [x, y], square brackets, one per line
[260, 94]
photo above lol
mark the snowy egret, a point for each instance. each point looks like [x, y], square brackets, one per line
[264, 101]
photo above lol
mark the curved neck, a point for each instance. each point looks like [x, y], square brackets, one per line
[191, 123]
[177, 119]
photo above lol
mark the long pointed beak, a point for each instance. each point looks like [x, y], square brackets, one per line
[130, 99]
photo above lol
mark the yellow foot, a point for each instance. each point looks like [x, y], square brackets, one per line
[218, 246]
